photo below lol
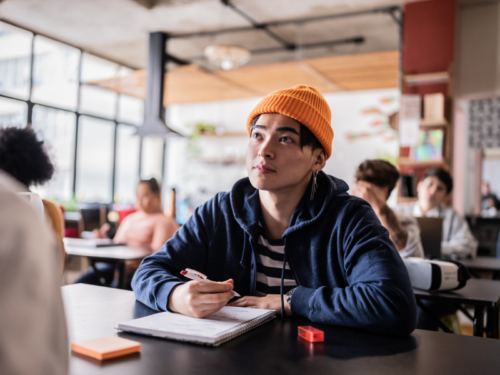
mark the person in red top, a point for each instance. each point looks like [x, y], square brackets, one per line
[148, 227]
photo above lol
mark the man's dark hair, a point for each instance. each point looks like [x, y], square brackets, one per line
[307, 138]
[442, 175]
[153, 185]
[24, 157]
[378, 172]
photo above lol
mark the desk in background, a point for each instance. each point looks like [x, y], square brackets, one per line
[486, 230]
[111, 254]
[273, 348]
[482, 294]
[483, 264]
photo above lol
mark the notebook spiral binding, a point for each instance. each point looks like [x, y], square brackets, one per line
[243, 328]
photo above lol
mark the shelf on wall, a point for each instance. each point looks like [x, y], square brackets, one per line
[426, 78]
[408, 162]
[433, 123]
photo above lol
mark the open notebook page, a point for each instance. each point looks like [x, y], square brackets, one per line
[208, 329]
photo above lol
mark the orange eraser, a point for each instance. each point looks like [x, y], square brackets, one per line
[106, 347]
[311, 334]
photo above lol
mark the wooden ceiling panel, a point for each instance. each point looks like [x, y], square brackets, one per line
[268, 78]
[189, 84]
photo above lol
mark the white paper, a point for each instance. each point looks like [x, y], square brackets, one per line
[409, 120]
[408, 132]
[210, 327]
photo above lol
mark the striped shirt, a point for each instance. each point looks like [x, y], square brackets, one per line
[270, 258]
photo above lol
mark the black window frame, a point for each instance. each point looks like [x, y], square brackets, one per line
[31, 104]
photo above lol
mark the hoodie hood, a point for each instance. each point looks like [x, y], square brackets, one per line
[245, 203]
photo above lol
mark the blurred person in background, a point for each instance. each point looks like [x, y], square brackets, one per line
[33, 337]
[25, 158]
[490, 203]
[374, 182]
[433, 190]
[148, 227]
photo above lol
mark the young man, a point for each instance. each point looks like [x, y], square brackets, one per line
[287, 238]
[433, 190]
[374, 182]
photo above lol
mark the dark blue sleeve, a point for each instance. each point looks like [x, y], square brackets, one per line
[379, 297]
[159, 273]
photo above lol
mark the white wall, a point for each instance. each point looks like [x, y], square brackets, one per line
[478, 48]
[198, 181]
[477, 75]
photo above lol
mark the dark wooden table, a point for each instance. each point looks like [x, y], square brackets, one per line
[273, 348]
[482, 294]
[483, 264]
[113, 254]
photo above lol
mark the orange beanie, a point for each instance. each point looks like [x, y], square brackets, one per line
[304, 104]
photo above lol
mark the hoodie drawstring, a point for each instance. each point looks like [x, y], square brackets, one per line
[281, 286]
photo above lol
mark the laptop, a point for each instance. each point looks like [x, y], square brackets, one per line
[431, 234]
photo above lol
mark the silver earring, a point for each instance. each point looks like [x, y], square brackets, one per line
[314, 185]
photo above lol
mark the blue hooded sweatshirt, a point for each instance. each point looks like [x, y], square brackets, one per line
[346, 267]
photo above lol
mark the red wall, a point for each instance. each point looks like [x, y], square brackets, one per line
[428, 36]
[428, 47]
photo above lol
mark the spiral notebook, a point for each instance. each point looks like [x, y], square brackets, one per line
[214, 330]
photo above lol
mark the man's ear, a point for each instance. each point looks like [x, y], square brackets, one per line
[320, 159]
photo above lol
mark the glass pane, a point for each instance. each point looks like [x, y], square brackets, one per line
[95, 99]
[57, 129]
[13, 113]
[55, 73]
[15, 59]
[94, 160]
[127, 164]
[131, 110]
[152, 158]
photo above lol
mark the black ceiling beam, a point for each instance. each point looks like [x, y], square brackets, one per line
[264, 25]
[258, 25]
[176, 60]
[353, 40]
[383, 10]
[397, 18]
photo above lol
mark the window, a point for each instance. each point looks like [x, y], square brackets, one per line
[94, 160]
[55, 74]
[88, 129]
[15, 61]
[12, 113]
[127, 163]
[96, 100]
[57, 129]
[152, 158]
[131, 110]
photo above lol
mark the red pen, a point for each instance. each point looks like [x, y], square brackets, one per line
[198, 276]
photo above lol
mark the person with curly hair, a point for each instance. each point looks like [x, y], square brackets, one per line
[25, 158]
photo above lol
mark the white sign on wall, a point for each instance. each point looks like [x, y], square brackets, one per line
[409, 120]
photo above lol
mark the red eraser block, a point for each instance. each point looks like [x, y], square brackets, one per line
[311, 334]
